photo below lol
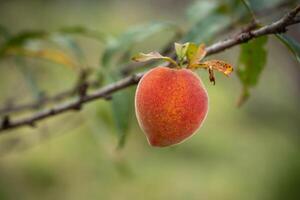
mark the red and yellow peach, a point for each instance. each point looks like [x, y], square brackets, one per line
[170, 104]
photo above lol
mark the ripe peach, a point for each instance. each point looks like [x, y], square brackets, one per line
[170, 104]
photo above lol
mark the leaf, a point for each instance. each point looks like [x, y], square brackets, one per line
[83, 31]
[210, 18]
[122, 112]
[252, 60]
[247, 5]
[122, 108]
[291, 44]
[204, 30]
[26, 72]
[200, 9]
[212, 65]
[198, 55]
[217, 65]
[29, 78]
[191, 51]
[61, 37]
[47, 54]
[23, 37]
[70, 43]
[121, 45]
[20, 40]
[142, 57]
[258, 5]
[181, 50]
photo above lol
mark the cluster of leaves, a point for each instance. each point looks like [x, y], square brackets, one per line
[253, 57]
[207, 20]
[192, 55]
[49, 46]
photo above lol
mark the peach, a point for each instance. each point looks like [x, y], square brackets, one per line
[170, 105]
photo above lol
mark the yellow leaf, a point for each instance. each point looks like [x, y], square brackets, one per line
[218, 65]
[191, 51]
[198, 55]
[48, 54]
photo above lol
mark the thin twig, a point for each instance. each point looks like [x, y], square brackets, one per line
[276, 27]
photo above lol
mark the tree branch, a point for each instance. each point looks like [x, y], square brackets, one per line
[71, 105]
[9, 107]
[168, 50]
[274, 28]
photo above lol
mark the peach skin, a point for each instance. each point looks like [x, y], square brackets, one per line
[170, 105]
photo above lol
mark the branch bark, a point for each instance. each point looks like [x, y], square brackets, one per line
[278, 26]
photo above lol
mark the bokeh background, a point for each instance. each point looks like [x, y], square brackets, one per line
[245, 153]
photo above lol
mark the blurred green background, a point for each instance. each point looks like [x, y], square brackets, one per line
[245, 153]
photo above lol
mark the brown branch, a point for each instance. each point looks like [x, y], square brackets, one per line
[72, 105]
[129, 68]
[9, 107]
[274, 28]
[168, 50]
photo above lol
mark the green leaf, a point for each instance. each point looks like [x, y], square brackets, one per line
[291, 44]
[121, 45]
[191, 51]
[70, 43]
[204, 30]
[122, 112]
[143, 57]
[208, 18]
[247, 5]
[83, 31]
[29, 78]
[122, 108]
[181, 50]
[52, 55]
[266, 4]
[200, 9]
[62, 37]
[21, 39]
[252, 60]
[198, 55]
[20, 64]
[211, 17]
